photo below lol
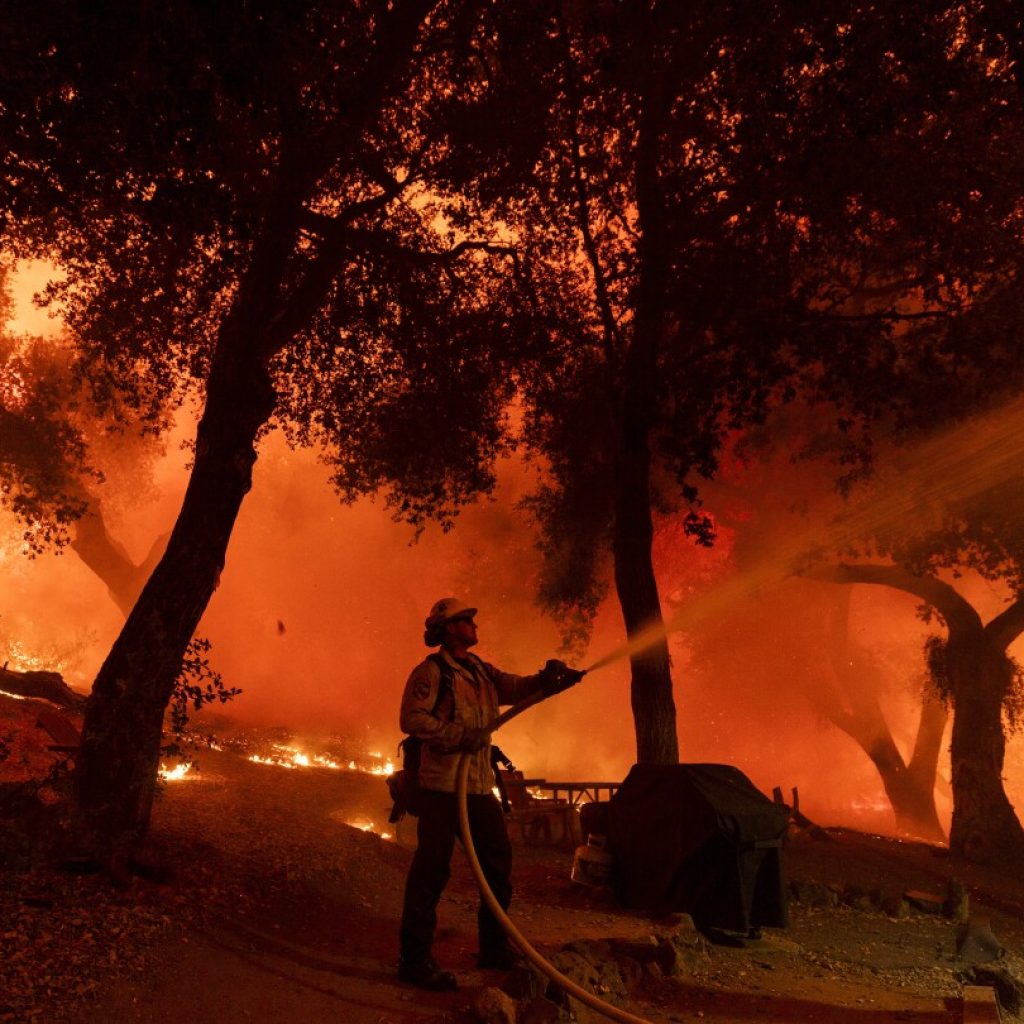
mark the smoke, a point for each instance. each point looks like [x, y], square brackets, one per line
[319, 614]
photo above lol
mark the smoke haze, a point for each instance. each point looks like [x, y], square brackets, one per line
[319, 616]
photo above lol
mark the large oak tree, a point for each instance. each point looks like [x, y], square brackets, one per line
[243, 198]
[718, 182]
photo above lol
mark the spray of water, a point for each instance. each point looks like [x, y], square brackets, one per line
[953, 465]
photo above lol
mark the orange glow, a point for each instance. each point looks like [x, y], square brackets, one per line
[351, 591]
[293, 757]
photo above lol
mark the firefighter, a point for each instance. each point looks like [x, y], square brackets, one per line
[448, 702]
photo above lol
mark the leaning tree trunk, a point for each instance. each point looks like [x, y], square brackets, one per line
[911, 793]
[985, 827]
[121, 739]
[854, 707]
[910, 788]
[116, 767]
[109, 560]
[923, 769]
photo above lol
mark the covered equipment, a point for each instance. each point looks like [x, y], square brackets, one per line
[702, 839]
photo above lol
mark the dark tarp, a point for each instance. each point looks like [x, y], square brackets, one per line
[702, 839]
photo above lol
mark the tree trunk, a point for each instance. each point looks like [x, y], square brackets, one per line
[924, 761]
[910, 789]
[117, 764]
[109, 560]
[985, 827]
[911, 793]
[854, 707]
[654, 709]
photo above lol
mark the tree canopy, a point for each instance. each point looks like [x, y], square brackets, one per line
[376, 224]
[256, 222]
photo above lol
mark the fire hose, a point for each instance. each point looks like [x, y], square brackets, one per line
[545, 967]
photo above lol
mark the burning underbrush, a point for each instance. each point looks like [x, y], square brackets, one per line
[279, 750]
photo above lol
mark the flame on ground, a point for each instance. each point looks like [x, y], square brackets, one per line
[294, 757]
[364, 825]
[179, 771]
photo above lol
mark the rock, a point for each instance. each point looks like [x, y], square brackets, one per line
[685, 936]
[1008, 985]
[812, 894]
[852, 892]
[524, 981]
[492, 1006]
[674, 920]
[670, 958]
[594, 951]
[894, 906]
[976, 943]
[634, 949]
[591, 966]
[632, 971]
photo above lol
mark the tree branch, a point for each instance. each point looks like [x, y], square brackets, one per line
[1007, 625]
[312, 288]
[958, 612]
[610, 332]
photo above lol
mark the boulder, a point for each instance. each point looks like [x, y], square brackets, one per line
[492, 1006]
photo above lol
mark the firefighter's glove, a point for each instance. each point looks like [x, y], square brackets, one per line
[556, 676]
[474, 739]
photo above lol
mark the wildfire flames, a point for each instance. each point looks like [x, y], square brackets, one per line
[284, 756]
[367, 826]
[292, 757]
[175, 774]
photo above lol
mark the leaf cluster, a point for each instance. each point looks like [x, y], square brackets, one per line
[196, 685]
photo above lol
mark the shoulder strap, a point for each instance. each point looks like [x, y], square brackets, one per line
[447, 677]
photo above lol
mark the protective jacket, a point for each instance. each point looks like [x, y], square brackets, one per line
[439, 715]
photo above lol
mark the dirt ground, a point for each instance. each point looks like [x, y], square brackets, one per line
[265, 904]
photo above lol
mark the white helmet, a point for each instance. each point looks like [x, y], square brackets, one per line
[447, 610]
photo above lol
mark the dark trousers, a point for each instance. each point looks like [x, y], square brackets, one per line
[436, 833]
